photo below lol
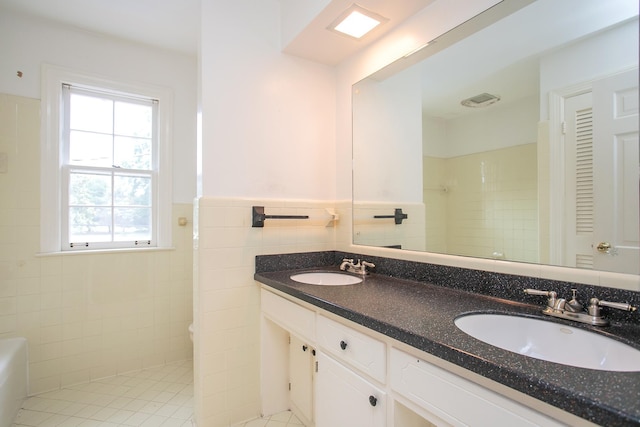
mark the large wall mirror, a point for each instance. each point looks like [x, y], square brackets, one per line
[514, 136]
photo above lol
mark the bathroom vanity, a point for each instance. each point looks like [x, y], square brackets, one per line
[386, 351]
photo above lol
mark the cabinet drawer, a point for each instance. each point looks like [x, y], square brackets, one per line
[358, 350]
[290, 316]
[455, 399]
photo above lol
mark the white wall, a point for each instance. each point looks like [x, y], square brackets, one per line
[267, 118]
[88, 316]
[85, 316]
[587, 60]
[29, 42]
[387, 139]
[267, 138]
[496, 127]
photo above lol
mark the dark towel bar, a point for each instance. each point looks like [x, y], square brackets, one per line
[398, 216]
[258, 216]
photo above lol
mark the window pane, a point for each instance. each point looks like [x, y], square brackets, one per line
[90, 149]
[133, 119]
[91, 113]
[132, 191]
[132, 224]
[89, 224]
[89, 189]
[133, 153]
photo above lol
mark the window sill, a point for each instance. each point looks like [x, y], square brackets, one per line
[105, 251]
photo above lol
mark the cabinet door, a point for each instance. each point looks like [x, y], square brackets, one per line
[301, 361]
[344, 399]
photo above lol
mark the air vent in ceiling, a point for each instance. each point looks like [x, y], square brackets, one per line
[482, 100]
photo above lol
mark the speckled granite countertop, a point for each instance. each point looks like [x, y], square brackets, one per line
[422, 315]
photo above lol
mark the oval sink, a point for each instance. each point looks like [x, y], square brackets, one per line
[551, 341]
[326, 278]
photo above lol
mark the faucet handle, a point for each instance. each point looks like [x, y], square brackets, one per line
[552, 295]
[368, 264]
[595, 304]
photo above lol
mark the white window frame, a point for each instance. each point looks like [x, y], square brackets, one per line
[52, 174]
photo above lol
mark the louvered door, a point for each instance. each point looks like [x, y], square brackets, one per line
[602, 171]
[579, 200]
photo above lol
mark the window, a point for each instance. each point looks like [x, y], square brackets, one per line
[106, 167]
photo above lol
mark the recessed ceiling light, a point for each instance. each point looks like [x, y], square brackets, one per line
[356, 22]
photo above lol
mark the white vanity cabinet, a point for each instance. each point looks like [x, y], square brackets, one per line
[454, 399]
[355, 378]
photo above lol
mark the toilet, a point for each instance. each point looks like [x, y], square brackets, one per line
[191, 332]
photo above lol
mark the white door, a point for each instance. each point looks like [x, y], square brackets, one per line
[602, 175]
[616, 173]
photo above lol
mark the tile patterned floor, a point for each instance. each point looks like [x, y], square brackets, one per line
[154, 397]
[157, 397]
[283, 419]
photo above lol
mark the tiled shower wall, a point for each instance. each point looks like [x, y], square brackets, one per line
[486, 202]
[86, 316]
[227, 299]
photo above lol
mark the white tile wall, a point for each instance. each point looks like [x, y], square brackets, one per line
[491, 203]
[227, 299]
[85, 316]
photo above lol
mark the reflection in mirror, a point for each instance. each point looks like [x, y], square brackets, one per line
[517, 142]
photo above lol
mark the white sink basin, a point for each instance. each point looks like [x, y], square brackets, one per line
[551, 341]
[326, 279]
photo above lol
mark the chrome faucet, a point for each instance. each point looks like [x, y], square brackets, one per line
[574, 310]
[359, 268]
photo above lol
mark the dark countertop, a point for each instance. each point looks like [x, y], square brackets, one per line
[422, 316]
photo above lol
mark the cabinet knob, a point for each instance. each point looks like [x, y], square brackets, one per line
[343, 345]
[304, 348]
[373, 401]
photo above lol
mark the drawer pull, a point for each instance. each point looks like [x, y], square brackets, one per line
[343, 345]
[373, 401]
[304, 348]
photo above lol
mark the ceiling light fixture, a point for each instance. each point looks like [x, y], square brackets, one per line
[356, 22]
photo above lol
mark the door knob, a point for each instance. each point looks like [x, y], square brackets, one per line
[604, 247]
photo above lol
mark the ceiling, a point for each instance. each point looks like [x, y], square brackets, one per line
[169, 24]
[318, 44]
[174, 24]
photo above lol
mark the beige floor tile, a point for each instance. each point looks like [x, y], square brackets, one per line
[155, 397]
